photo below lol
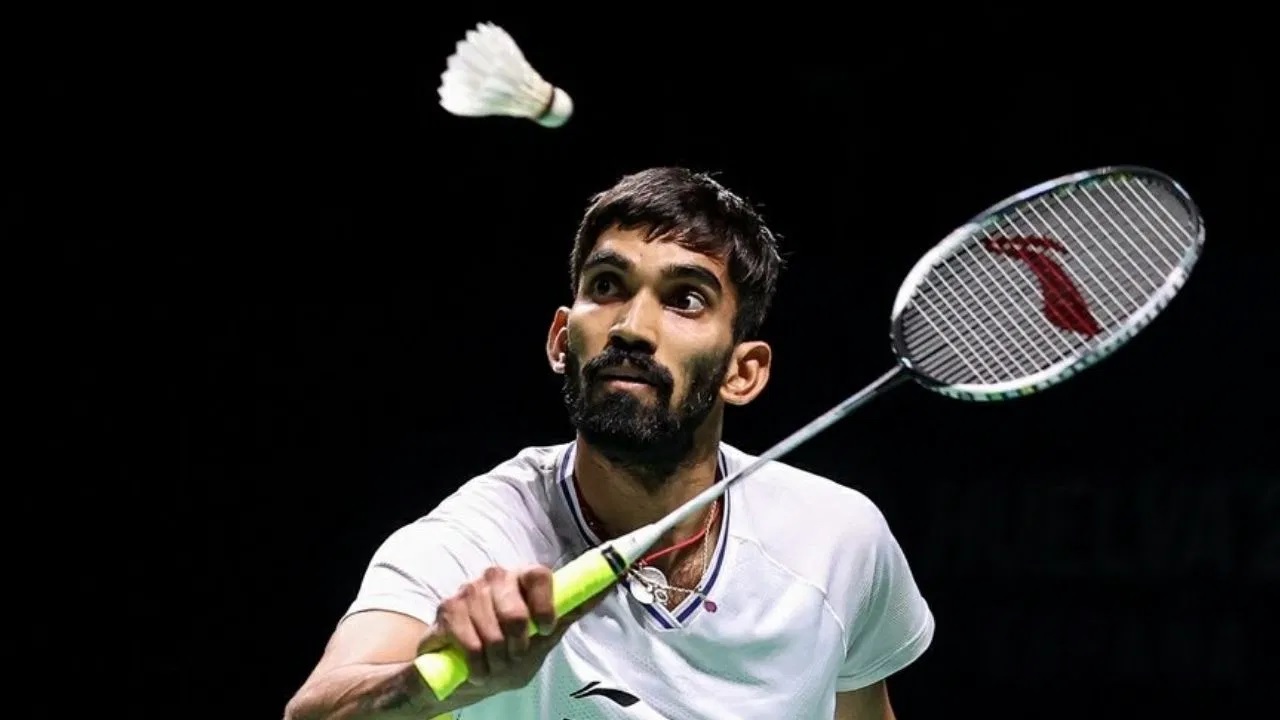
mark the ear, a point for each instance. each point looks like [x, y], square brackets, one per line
[558, 340]
[748, 373]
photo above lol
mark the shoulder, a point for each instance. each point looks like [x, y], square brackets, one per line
[793, 509]
[499, 517]
[819, 531]
[516, 486]
[835, 539]
[508, 505]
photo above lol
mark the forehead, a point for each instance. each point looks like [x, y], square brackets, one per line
[646, 253]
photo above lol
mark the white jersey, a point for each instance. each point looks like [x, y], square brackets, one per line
[807, 594]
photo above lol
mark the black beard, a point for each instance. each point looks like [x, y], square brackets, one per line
[649, 440]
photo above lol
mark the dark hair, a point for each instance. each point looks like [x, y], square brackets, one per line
[700, 214]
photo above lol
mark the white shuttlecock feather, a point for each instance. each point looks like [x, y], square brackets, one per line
[488, 75]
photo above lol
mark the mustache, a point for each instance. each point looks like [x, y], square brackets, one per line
[613, 358]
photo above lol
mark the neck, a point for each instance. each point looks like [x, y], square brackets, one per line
[621, 499]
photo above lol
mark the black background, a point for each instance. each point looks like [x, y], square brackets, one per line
[283, 303]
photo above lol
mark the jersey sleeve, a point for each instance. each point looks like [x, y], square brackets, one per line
[422, 563]
[891, 624]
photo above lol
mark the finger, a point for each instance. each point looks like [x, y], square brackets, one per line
[512, 613]
[480, 604]
[535, 587]
[545, 640]
[454, 618]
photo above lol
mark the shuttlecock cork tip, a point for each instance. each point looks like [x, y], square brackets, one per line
[558, 111]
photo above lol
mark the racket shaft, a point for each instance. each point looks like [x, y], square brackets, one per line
[880, 385]
[572, 585]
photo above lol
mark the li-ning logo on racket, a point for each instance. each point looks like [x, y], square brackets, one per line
[1063, 305]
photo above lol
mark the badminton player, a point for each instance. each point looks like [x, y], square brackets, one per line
[787, 598]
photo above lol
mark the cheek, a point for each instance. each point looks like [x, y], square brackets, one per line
[707, 367]
[581, 339]
[573, 342]
[685, 365]
[587, 327]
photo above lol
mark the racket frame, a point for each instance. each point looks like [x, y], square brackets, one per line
[1068, 367]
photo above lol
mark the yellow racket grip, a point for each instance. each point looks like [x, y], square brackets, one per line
[571, 586]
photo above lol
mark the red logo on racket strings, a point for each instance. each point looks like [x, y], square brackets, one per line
[1064, 306]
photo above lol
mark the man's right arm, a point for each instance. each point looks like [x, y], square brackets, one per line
[432, 584]
[367, 672]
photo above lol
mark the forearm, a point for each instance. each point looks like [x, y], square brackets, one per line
[390, 691]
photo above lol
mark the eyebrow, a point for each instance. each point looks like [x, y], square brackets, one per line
[610, 258]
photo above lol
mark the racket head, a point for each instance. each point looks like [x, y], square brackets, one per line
[1045, 283]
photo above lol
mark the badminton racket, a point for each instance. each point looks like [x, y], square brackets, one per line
[1025, 295]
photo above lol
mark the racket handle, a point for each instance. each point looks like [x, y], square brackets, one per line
[572, 585]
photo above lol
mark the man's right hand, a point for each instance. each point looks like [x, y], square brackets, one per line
[489, 618]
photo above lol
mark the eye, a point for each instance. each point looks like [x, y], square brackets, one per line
[690, 302]
[603, 284]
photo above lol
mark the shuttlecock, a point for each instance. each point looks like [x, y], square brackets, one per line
[488, 75]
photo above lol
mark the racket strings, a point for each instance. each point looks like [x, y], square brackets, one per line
[1047, 280]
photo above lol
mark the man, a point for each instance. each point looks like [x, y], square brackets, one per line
[787, 598]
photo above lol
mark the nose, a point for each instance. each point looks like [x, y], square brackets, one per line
[636, 328]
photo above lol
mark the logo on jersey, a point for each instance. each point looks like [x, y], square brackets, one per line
[621, 697]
